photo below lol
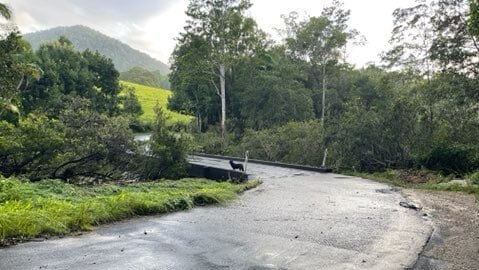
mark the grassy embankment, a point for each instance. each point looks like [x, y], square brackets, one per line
[51, 207]
[149, 96]
[422, 179]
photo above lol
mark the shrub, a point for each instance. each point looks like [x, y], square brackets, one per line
[295, 142]
[169, 147]
[455, 159]
[474, 178]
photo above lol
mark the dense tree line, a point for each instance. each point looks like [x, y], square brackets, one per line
[63, 115]
[293, 100]
[145, 77]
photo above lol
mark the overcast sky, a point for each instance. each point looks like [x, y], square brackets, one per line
[152, 25]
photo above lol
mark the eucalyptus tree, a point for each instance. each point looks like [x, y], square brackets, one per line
[193, 92]
[320, 41]
[455, 46]
[228, 33]
[434, 36]
[411, 40]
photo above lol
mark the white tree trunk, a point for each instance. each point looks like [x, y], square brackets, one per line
[223, 99]
[323, 102]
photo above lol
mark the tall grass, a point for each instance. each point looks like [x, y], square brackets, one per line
[149, 96]
[51, 207]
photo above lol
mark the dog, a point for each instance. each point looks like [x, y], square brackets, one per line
[236, 166]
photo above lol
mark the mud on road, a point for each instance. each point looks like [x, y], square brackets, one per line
[454, 243]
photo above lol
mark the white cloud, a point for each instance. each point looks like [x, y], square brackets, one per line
[161, 29]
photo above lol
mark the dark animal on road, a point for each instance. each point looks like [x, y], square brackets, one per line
[236, 166]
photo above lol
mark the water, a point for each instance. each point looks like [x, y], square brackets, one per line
[142, 137]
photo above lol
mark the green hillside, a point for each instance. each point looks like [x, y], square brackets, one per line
[149, 96]
[123, 56]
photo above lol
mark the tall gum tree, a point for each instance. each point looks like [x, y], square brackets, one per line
[229, 35]
[320, 41]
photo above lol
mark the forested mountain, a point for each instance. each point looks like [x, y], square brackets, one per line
[124, 57]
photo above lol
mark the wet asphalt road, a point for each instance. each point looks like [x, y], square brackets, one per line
[294, 220]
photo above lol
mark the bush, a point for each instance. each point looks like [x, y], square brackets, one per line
[80, 143]
[295, 142]
[169, 147]
[455, 159]
[474, 178]
[31, 147]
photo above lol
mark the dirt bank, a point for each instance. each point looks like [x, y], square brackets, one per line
[454, 243]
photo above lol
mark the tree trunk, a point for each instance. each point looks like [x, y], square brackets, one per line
[323, 101]
[223, 99]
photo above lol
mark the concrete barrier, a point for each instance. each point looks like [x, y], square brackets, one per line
[218, 174]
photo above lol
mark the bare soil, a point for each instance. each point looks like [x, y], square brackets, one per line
[454, 216]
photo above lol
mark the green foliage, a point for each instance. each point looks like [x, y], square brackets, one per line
[474, 178]
[193, 92]
[442, 37]
[83, 38]
[50, 207]
[5, 11]
[473, 20]
[80, 143]
[169, 147]
[130, 102]
[319, 42]
[295, 142]
[223, 31]
[212, 142]
[69, 125]
[31, 146]
[451, 158]
[96, 145]
[375, 120]
[143, 76]
[68, 73]
[320, 39]
[18, 69]
[267, 91]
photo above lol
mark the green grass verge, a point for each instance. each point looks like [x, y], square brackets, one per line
[51, 207]
[149, 96]
[418, 179]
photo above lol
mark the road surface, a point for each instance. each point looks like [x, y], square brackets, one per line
[294, 220]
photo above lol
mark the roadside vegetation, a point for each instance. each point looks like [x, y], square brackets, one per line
[51, 207]
[423, 179]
